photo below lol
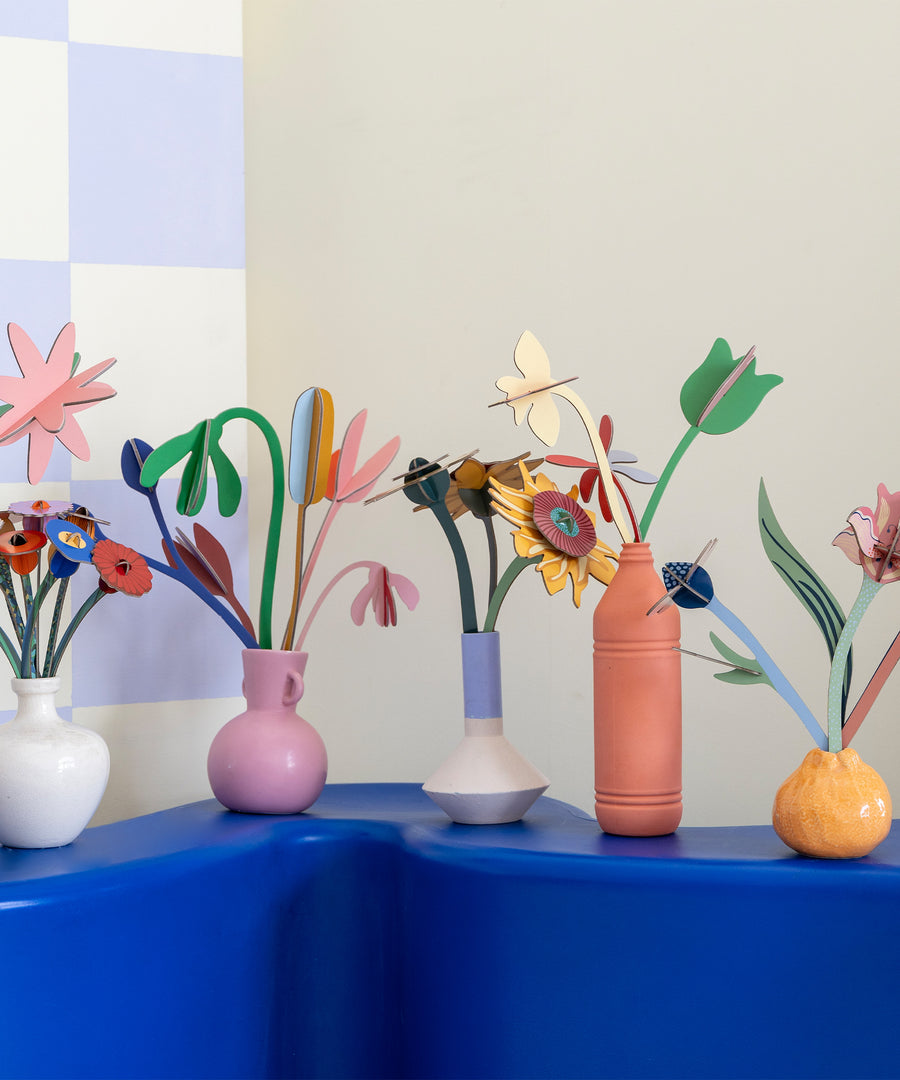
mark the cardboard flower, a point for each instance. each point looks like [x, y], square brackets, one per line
[470, 489]
[723, 393]
[21, 549]
[121, 569]
[538, 408]
[379, 593]
[34, 512]
[42, 402]
[553, 525]
[871, 541]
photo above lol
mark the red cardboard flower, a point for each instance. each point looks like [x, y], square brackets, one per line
[121, 568]
[22, 549]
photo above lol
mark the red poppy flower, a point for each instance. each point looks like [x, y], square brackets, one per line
[121, 568]
[22, 549]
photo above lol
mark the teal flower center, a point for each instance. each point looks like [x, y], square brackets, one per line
[563, 520]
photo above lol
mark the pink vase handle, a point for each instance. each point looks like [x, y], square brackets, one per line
[295, 688]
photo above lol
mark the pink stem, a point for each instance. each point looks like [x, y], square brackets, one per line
[331, 584]
[317, 549]
[867, 697]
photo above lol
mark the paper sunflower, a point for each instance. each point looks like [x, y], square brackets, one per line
[554, 525]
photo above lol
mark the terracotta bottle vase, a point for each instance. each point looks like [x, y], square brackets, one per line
[269, 760]
[637, 703]
[834, 806]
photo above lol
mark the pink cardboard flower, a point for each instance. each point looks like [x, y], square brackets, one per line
[379, 590]
[871, 541]
[42, 402]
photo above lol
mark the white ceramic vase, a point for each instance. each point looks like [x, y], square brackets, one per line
[485, 780]
[52, 772]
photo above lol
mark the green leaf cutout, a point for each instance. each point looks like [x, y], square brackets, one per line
[804, 583]
[228, 482]
[739, 678]
[739, 402]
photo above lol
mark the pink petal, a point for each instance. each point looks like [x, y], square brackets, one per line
[574, 462]
[864, 531]
[405, 589]
[40, 446]
[369, 473]
[62, 353]
[74, 439]
[848, 543]
[27, 354]
[350, 450]
[358, 607]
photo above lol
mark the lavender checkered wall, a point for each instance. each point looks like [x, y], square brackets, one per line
[121, 208]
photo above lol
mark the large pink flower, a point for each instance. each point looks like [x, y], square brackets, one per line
[42, 402]
[871, 541]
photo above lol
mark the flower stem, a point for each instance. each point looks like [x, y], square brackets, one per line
[12, 604]
[662, 483]
[509, 576]
[54, 625]
[492, 554]
[186, 578]
[29, 665]
[77, 619]
[368, 565]
[274, 534]
[867, 592]
[463, 572]
[773, 672]
[603, 466]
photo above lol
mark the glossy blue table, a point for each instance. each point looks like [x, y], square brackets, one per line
[371, 937]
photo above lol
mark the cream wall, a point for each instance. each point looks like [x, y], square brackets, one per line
[629, 181]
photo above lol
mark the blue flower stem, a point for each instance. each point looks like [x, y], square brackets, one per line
[509, 576]
[186, 578]
[274, 534]
[867, 593]
[677, 454]
[773, 672]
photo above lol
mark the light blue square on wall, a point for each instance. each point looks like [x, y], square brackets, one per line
[36, 295]
[155, 157]
[46, 19]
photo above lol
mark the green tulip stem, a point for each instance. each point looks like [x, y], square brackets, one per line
[9, 650]
[677, 454]
[509, 576]
[867, 593]
[274, 535]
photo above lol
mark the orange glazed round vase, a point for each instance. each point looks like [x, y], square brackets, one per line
[637, 703]
[834, 806]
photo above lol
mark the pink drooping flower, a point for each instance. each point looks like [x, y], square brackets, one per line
[871, 541]
[42, 402]
[379, 591]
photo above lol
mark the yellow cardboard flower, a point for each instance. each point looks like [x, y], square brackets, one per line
[539, 407]
[554, 525]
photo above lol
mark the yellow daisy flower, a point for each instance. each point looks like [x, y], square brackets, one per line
[554, 525]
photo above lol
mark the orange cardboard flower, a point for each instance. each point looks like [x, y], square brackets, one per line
[22, 549]
[121, 568]
[554, 525]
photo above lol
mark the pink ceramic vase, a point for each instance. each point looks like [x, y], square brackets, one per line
[637, 703]
[269, 760]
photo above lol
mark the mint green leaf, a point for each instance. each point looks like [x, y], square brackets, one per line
[803, 582]
[740, 678]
